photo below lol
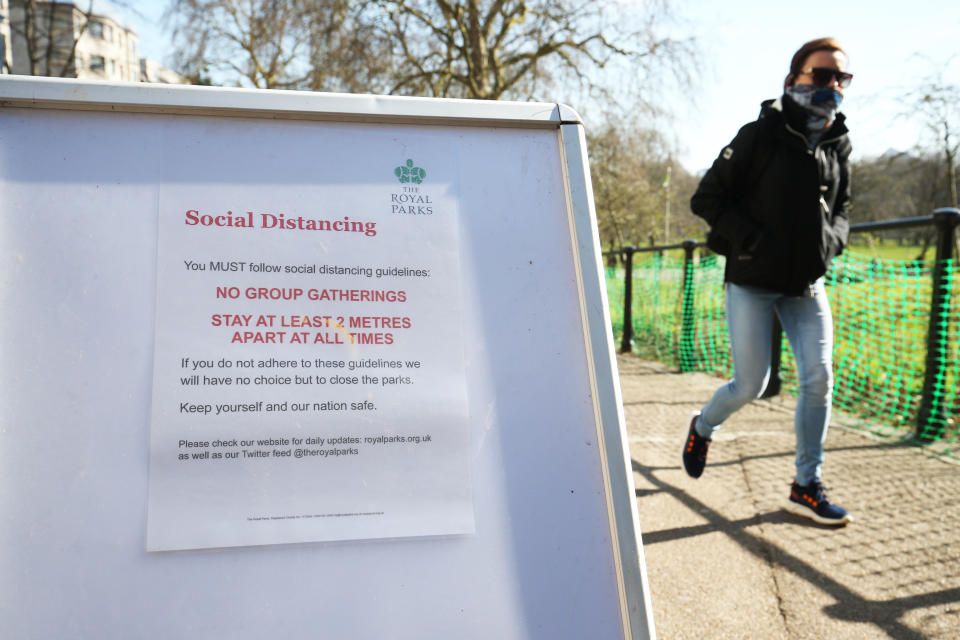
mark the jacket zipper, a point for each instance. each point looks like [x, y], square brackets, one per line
[823, 142]
[815, 152]
[806, 143]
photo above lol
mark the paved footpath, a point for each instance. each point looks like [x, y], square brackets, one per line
[725, 561]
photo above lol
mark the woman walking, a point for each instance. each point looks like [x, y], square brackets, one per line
[776, 200]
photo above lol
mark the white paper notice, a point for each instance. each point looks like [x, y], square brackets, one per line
[308, 368]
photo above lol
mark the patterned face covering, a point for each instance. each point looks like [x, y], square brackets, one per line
[820, 104]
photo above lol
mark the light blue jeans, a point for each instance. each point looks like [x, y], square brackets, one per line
[807, 322]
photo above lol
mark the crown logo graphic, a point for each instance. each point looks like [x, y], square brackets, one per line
[407, 173]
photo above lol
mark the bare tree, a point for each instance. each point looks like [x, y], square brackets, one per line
[261, 42]
[492, 49]
[276, 44]
[347, 52]
[48, 32]
[899, 185]
[629, 165]
[939, 106]
[935, 101]
[488, 49]
[623, 192]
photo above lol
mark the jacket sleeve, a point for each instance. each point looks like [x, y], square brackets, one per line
[721, 190]
[840, 220]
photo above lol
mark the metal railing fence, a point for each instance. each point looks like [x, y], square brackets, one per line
[886, 313]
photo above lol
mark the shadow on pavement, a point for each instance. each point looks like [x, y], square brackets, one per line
[894, 572]
[884, 614]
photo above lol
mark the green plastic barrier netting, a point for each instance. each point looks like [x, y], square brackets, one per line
[881, 311]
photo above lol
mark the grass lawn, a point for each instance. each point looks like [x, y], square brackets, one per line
[890, 250]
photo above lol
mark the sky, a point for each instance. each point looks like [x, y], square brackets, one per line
[748, 44]
[745, 49]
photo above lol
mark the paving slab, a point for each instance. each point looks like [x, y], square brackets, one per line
[725, 560]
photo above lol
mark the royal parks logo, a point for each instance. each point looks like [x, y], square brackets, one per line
[409, 200]
[408, 173]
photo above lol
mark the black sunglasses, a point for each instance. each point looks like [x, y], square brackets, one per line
[823, 75]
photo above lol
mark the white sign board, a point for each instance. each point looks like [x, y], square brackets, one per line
[516, 519]
[311, 337]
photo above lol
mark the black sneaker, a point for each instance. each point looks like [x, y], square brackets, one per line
[695, 450]
[811, 502]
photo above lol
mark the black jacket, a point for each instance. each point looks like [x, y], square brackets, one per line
[780, 205]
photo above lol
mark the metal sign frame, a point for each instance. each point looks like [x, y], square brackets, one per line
[619, 495]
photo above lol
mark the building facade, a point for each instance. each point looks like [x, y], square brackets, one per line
[5, 53]
[108, 51]
[152, 71]
[58, 39]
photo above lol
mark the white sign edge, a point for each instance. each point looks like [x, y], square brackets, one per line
[139, 97]
[633, 583]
